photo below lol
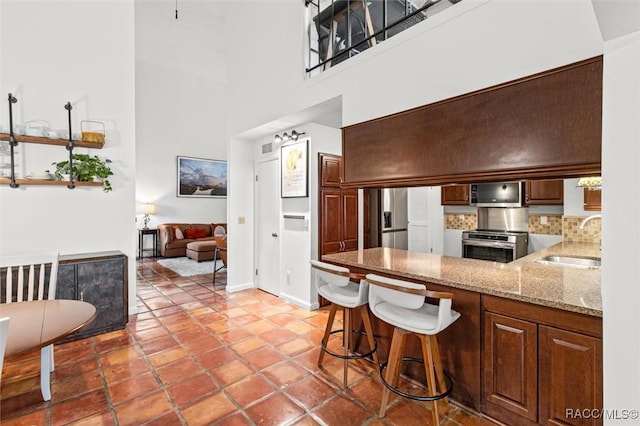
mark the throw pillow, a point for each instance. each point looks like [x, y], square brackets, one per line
[177, 232]
[193, 233]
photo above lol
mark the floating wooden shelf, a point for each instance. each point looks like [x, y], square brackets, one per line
[51, 141]
[7, 181]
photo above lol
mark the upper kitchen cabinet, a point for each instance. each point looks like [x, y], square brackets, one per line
[592, 199]
[545, 192]
[330, 170]
[454, 195]
[543, 126]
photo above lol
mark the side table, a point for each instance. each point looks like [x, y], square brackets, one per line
[141, 233]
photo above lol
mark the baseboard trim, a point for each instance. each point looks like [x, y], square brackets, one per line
[299, 302]
[239, 287]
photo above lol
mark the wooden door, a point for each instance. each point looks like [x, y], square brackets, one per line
[510, 369]
[454, 195]
[570, 377]
[545, 192]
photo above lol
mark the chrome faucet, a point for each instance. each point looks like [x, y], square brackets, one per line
[587, 219]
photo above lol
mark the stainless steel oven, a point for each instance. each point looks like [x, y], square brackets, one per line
[496, 246]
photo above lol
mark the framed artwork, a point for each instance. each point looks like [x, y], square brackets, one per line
[201, 178]
[294, 166]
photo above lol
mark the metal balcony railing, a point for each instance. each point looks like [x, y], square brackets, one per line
[340, 29]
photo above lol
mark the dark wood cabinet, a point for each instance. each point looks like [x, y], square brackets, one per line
[510, 385]
[339, 220]
[100, 279]
[338, 209]
[540, 363]
[570, 376]
[454, 195]
[330, 170]
[592, 199]
[543, 126]
[545, 192]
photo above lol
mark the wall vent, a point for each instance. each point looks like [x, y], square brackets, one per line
[267, 148]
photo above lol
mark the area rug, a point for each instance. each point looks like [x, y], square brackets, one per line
[188, 267]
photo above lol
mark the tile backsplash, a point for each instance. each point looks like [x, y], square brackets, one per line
[556, 224]
[572, 233]
[461, 221]
[553, 225]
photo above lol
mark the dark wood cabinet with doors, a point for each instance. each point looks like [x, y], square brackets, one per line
[338, 208]
[545, 192]
[592, 199]
[454, 195]
[540, 363]
[100, 279]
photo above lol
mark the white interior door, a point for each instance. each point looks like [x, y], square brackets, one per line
[267, 216]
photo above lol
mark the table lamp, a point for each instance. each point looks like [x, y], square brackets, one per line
[147, 209]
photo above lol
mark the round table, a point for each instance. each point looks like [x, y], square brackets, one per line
[40, 323]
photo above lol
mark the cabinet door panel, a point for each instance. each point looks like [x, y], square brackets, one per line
[100, 283]
[592, 199]
[350, 219]
[545, 192]
[66, 284]
[570, 376]
[331, 227]
[510, 367]
[454, 195]
[330, 170]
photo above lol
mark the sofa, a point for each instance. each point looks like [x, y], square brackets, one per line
[174, 237]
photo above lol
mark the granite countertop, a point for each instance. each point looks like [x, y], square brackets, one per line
[570, 289]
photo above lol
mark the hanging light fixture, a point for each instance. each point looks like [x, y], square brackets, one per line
[294, 135]
[286, 137]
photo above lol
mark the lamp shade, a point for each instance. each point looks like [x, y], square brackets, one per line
[147, 208]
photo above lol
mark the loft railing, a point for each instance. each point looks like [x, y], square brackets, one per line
[340, 29]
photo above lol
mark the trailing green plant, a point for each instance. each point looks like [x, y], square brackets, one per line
[85, 169]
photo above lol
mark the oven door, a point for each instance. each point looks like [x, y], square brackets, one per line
[488, 250]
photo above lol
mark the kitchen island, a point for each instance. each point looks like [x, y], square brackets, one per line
[528, 345]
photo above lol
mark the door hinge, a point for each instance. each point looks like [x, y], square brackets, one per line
[256, 178]
[256, 272]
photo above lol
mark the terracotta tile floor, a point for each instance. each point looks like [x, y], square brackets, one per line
[195, 355]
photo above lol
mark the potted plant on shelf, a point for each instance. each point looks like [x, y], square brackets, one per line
[86, 168]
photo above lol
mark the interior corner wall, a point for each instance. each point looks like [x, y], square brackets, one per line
[299, 242]
[180, 101]
[52, 53]
[620, 230]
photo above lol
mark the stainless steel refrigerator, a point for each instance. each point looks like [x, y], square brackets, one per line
[394, 220]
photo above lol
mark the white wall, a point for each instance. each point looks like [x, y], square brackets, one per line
[620, 227]
[298, 238]
[82, 52]
[181, 87]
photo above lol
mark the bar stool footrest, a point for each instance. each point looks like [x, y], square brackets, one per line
[354, 356]
[411, 396]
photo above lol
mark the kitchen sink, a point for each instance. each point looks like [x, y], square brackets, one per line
[571, 261]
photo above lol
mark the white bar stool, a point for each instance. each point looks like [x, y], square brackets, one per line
[402, 305]
[334, 284]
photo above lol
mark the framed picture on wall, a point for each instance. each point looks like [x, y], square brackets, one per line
[201, 178]
[294, 165]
